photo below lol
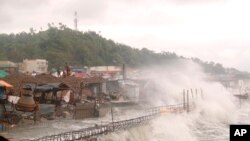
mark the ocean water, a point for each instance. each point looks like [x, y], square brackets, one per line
[53, 127]
[194, 126]
[208, 122]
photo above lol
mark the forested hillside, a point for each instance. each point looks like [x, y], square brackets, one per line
[61, 44]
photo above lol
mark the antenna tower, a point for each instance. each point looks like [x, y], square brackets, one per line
[75, 20]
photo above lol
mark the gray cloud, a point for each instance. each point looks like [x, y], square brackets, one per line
[195, 1]
[17, 11]
[89, 11]
[5, 19]
[23, 4]
[183, 26]
[172, 1]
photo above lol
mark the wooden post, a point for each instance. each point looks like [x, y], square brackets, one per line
[80, 95]
[124, 71]
[184, 100]
[187, 101]
[240, 101]
[192, 93]
[112, 118]
[196, 92]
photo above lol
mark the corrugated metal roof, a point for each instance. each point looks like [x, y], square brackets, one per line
[5, 84]
[46, 87]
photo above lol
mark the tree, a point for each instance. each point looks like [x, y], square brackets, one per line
[62, 44]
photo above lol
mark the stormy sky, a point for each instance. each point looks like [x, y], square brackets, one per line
[213, 30]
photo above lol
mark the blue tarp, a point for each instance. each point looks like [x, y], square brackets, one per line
[3, 74]
[2, 93]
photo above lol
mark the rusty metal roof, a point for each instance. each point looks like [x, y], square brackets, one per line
[5, 84]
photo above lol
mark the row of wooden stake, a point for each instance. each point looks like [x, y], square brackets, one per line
[186, 97]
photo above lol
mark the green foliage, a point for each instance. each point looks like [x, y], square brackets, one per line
[61, 44]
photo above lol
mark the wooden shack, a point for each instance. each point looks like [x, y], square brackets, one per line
[48, 93]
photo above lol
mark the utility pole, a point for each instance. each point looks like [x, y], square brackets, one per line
[196, 92]
[124, 71]
[184, 100]
[192, 93]
[112, 116]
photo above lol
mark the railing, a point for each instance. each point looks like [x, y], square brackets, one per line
[112, 126]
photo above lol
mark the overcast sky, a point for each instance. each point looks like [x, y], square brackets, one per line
[212, 30]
